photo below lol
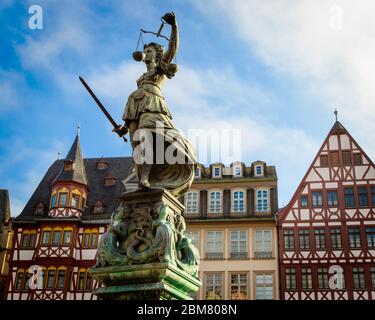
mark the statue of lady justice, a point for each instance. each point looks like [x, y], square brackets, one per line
[146, 109]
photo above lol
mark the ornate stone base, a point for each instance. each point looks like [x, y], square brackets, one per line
[145, 254]
[152, 281]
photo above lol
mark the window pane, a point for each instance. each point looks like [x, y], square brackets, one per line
[56, 240]
[317, 199]
[53, 201]
[304, 201]
[362, 196]
[264, 287]
[50, 279]
[357, 159]
[75, 200]
[81, 278]
[214, 287]
[334, 158]
[63, 198]
[346, 158]
[67, 237]
[349, 197]
[94, 238]
[262, 200]
[332, 198]
[61, 279]
[46, 237]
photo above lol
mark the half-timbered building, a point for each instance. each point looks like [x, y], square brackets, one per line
[56, 235]
[327, 231]
[5, 239]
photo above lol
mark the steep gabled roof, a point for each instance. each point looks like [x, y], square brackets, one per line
[78, 173]
[337, 129]
[119, 167]
[4, 206]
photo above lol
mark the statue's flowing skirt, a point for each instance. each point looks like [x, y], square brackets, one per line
[173, 157]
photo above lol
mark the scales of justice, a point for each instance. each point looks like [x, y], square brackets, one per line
[145, 253]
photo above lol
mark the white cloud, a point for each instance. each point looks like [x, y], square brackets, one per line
[327, 47]
[220, 99]
[35, 162]
[12, 90]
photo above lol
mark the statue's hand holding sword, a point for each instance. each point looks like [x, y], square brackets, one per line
[119, 129]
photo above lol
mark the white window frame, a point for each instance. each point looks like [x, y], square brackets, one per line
[261, 243]
[199, 175]
[215, 283]
[195, 236]
[235, 245]
[218, 244]
[261, 208]
[262, 284]
[213, 172]
[261, 174]
[244, 200]
[193, 209]
[209, 202]
[234, 173]
[239, 284]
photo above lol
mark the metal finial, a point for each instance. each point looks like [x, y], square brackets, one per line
[336, 113]
[78, 130]
[58, 155]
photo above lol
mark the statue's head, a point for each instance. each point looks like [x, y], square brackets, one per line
[153, 51]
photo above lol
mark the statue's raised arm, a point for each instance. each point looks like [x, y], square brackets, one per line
[168, 56]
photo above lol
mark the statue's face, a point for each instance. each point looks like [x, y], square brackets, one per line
[150, 54]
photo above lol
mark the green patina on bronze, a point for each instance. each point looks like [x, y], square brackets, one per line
[145, 254]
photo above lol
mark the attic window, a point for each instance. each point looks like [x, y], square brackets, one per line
[216, 172]
[198, 172]
[237, 171]
[98, 207]
[258, 170]
[101, 165]
[68, 165]
[110, 181]
[39, 209]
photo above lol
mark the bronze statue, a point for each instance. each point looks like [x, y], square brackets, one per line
[146, 108]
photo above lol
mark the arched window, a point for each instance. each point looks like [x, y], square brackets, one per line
[56, 236]
[90, 238]
[67, 236]
[46, 236]
[191, 202]
[61, 275]
[19, 279]
[50, 278]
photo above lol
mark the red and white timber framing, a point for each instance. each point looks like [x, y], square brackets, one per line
[339, 164]
[75, 258]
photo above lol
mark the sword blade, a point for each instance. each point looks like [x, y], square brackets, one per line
[109, 117]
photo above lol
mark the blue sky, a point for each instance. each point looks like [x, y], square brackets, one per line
[273, 69]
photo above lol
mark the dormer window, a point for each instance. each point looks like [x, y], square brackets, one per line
[109, 181]
[198, 172]
[237, 171]
[39, 209]
[68, 165]
[98, 207]
[101, 165]
[216, 172]
[259, 170]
